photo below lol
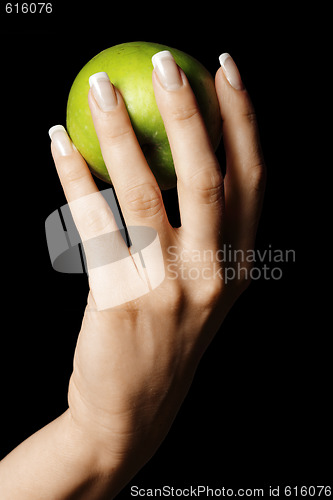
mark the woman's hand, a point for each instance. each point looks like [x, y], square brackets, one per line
[135, 359]
[152, 313]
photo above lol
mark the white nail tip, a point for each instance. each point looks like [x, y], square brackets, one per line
[56, 128]
[98, 76]
[163, 54]
[223, 57]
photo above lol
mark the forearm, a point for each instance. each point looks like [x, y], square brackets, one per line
[59, 462]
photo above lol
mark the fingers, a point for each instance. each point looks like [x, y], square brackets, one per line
[91, 213]
[137, 190]
[200, 182]
[244, 182]
[199, 178]
[74, 174]
[109, 261]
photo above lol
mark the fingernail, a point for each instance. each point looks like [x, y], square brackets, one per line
[230, 71]
[60, 139]
[167, 70]
[103, 91]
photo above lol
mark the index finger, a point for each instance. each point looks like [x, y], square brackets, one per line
[91, 213]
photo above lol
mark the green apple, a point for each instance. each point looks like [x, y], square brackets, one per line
[129, 68]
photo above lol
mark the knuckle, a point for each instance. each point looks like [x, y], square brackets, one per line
[207, 185]
[72, 172]
[95, 222]
[116, 134]
[185, 113]
[213, 291]
[143, 200]
[257, 177]
[250, 115]
[207, 295]
[245, 108]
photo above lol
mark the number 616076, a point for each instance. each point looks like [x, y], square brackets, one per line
[29, 8]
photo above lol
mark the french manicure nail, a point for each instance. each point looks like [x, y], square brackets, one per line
[230, 71]
[60, 139]
[103, 91]
[167, 70]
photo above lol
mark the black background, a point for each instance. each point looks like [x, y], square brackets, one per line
[258, 411]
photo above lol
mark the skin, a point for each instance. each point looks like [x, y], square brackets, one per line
[134, 363]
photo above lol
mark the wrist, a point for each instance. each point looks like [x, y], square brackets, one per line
[95, 470]
[108, 460]
[60, 461]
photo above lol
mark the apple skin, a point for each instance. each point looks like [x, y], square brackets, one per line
[129, 68]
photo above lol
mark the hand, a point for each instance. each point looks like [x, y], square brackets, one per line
[135, 359]
[138, 348]
[145, 328]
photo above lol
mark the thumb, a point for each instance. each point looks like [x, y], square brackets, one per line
[245, 170]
